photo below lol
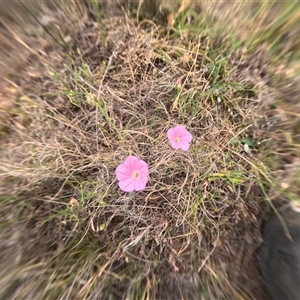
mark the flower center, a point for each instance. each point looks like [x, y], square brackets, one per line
[135, 174]
[177, 140]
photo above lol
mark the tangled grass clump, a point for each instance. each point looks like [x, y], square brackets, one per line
[70, 232]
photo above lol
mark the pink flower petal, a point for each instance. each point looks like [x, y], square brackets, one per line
[127, 185]
[140, 183]
[144, 180]
[179, 128]
[143, 168]
[179, 137]
[130, 162]
[143, 172]
[171, 134]
[125, 174]
[186, 138]
[174, 144]
[122, 172]
[184, 146]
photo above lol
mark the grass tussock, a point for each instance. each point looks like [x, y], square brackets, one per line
[112, 87]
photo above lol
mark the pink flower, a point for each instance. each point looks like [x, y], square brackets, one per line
[179, 137]
[132, 174]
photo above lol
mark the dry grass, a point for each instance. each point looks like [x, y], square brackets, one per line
[114, 88]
